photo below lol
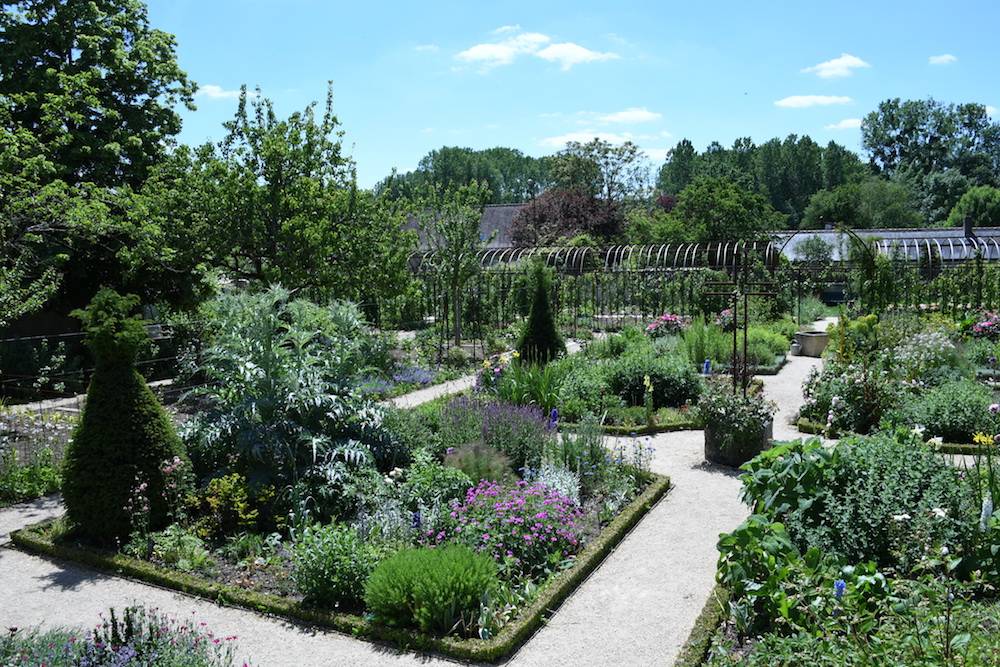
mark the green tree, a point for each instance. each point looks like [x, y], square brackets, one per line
[450, 223]
[716, 209]
[540, 341]
[615, 174]
[874, 203]
[928, 136]
[94, 83]
[124, 435]
[980, 204]
[679, 168]
[279, 200]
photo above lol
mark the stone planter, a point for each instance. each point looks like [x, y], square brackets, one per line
[812, 342]
[742, 448]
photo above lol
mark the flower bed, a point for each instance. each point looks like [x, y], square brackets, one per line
[41, 539]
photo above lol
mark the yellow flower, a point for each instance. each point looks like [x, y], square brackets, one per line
[515, 354]
[486, 363]
[982, 440]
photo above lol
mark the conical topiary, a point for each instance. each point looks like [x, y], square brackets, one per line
[124, 434]
[540, 341]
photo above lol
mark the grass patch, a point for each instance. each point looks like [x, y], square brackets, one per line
[41, 539]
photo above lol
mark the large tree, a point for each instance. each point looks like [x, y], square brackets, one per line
[717, 209]
[94, 83]
[617, 174]
[871, 203]
[558, 214]
[508, 175]
[928, 136]
[281, 204]
[980, 206]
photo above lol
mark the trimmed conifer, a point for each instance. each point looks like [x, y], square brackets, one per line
[540, 341]
[124, 434]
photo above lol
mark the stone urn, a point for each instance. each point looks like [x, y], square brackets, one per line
[740, 449]
[812, 343]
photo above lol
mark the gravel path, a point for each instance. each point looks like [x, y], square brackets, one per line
[636, 609]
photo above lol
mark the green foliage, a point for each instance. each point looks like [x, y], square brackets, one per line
[178, 547]
[981, 205]
[479, 462]
[107, 114]
[438, 590]
[674, 380]
[430, 483]
[585, 389]
[873, 203]
[734, 419]
[229, 508]
[852, 503]
[124, 434]
[331, 565]
[280, 405]
[613, 174]
[530, 384]
[717, 209]
[707, 341]
[954, 411]
[137, 635]
[25, 481]
[540, 341]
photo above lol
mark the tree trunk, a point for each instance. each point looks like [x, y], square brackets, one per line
[457, 305]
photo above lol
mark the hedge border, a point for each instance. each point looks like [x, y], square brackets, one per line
[815, 428]
[698, 643]
[510, 638]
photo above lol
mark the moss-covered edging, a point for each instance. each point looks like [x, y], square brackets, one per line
[809, 426]
[616, 430]
[35, 539]
[698, 643]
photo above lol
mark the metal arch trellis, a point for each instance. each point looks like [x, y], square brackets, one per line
[597, 288]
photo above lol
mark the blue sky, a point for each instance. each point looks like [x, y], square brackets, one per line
[410, 77]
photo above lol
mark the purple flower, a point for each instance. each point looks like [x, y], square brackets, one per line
[839, 586]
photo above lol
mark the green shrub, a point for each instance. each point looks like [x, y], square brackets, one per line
[540, 341]
[810, 310]
[438, 590]
[124, 434]
[615, 345]
[479, 462]
[330, 565]
[674, 380]
[707, 341]
[954, 411]
[531, 384]
[228, 507]
[585, 389]
[180, 548]
[851, 504]
[24, 481]
[428, 482]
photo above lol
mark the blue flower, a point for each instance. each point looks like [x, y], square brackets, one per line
[839, 586]
[416, 520]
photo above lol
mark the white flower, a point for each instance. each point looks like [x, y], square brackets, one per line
[901, 517]
[918, 430]
[986, 513]
[944, 551]
[939, 513]
[936, 440]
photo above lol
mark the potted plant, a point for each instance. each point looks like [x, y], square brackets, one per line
[737, 427]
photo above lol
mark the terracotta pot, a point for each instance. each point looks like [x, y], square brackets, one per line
[742, 448]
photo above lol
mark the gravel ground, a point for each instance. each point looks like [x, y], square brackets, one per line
[636, 609]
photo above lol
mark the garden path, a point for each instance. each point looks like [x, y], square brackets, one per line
[636, 609]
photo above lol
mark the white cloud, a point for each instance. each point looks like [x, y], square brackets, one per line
[504, 29]
[214, 92]
[568, 54]
[583, 136]
[846, 124]
[943, 59]
[842, 66]
[493, 54]
[631, 115]
[427, 48]
[991, 110]
[803, 101]
[656, 154]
